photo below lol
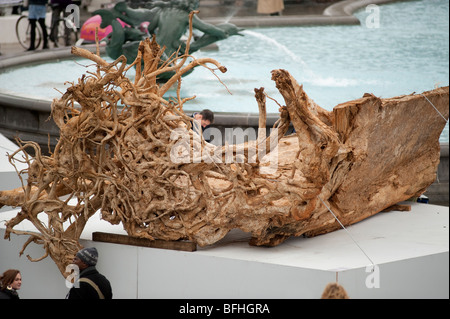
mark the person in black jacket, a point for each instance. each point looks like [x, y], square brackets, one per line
[91, 284]
[58, 7]
[10, 282]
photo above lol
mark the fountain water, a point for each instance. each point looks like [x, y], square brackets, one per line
[232, 14]
[271, 41]
[309, 74]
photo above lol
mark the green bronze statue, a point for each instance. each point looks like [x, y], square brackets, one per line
[167, 21]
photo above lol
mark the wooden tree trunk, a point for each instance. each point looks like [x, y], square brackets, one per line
[364, 156]
[144, 166]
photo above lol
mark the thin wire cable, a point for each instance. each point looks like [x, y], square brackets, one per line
[7, 149]
[434, 107]
[337, 219]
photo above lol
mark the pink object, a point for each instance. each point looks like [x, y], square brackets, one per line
[144, 26]
[87, 31]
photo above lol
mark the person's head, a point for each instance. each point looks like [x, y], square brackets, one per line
[11, 279]
[86, 257]
[334, 291]
[207, 117]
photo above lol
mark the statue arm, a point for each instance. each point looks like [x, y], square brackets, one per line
[153, 24]
[207, 28]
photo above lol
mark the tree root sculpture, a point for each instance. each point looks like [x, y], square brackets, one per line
[132, 155]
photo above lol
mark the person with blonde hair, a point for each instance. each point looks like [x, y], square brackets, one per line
[334, 291]
[10, 282]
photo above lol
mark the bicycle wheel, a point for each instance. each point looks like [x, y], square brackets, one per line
[23, 33]
[65, 36]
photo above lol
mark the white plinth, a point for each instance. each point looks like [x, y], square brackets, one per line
[410, 250]
[8, 174]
